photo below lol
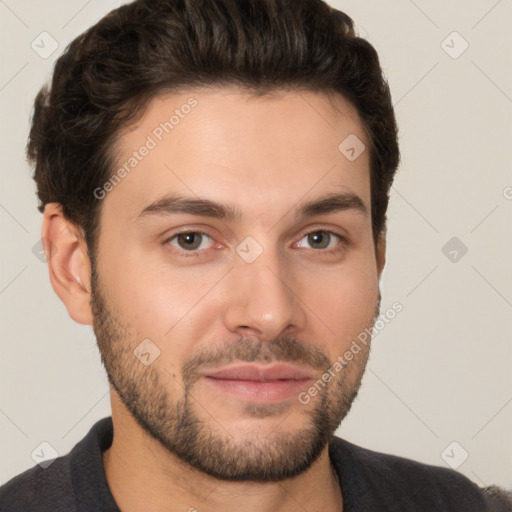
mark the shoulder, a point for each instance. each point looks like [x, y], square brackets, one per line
[68, 480]
[38, 489]
[405, 484]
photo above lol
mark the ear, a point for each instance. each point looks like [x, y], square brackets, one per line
[380, 253]
[68, 263]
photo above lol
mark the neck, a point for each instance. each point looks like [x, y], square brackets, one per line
[143, 475]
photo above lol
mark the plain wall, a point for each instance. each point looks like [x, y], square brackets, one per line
[440, 371]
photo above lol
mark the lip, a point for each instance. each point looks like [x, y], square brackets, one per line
[269, 383]
[258, 373]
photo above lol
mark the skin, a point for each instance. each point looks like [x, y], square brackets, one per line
[295, 302]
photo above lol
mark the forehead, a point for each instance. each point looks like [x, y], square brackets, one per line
[255, 152]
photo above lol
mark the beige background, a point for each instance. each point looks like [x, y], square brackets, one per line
[441, 370]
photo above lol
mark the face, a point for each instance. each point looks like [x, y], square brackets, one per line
[236, 266]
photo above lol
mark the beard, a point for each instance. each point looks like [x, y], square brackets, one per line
[166, 409]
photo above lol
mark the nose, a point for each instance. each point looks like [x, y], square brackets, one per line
[263, 299]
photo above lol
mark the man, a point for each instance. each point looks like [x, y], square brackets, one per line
[214, 178]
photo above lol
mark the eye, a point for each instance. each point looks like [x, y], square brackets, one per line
[323, 240]
[197, 243]
[190, 241]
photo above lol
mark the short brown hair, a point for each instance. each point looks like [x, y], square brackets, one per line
[107, 76]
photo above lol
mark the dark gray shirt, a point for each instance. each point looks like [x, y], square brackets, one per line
[370, 482]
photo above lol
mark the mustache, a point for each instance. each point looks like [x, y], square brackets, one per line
[285, 349]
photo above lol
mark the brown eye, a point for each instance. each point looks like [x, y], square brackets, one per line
[189, 241]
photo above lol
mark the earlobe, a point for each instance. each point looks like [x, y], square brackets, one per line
[68, 263]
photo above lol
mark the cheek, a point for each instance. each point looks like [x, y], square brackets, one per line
[356, 307]
[343, 299]
[170, 305]
[157, 301]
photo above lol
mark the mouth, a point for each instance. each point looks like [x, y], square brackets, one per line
[270, 383]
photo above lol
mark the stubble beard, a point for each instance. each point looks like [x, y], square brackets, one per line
[186, 430]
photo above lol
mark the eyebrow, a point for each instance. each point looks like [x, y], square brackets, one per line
[176, 204]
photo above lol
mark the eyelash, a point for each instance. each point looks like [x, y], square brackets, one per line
[199, 252]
